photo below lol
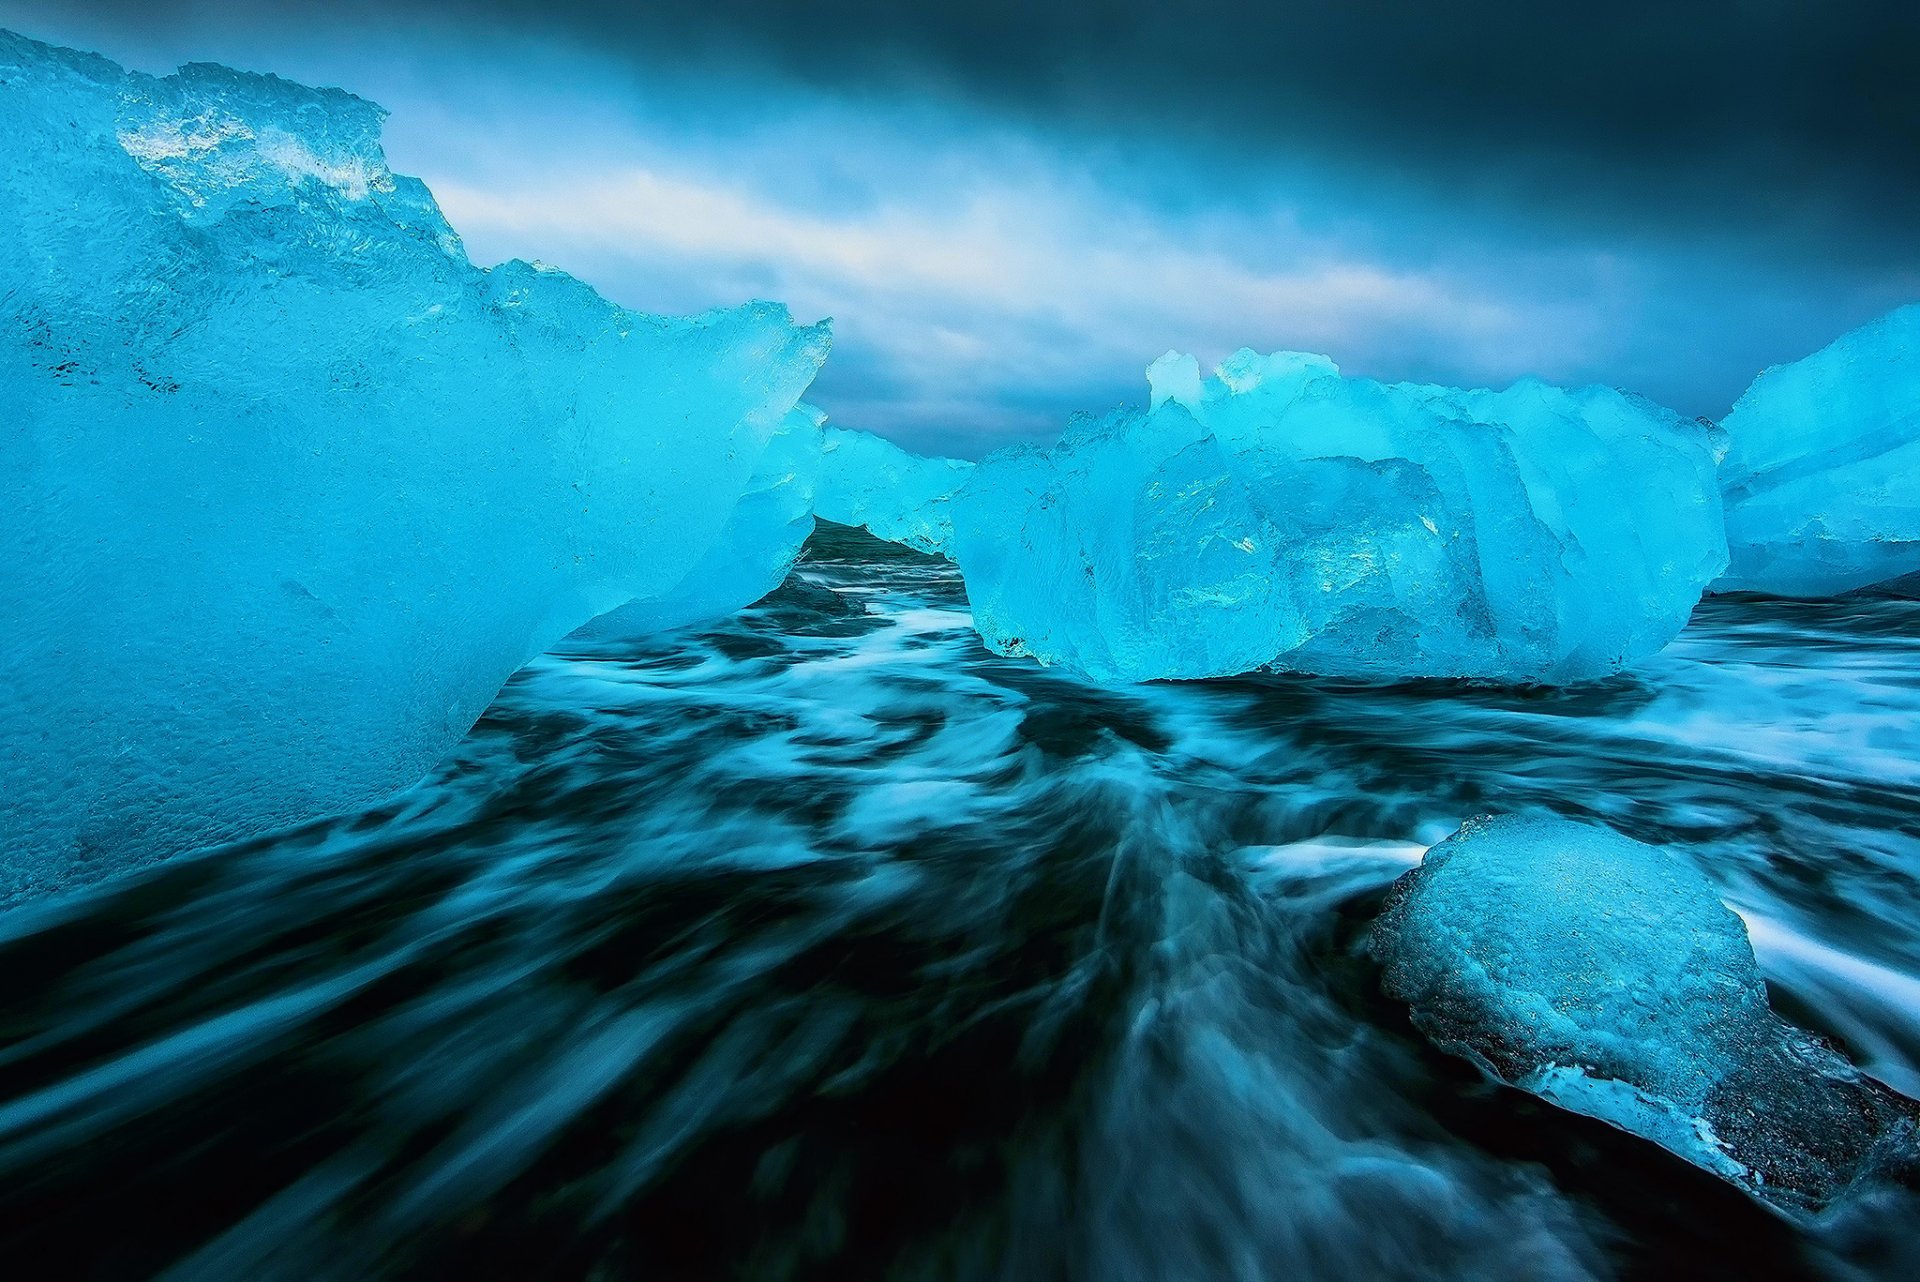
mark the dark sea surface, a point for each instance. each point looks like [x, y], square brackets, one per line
[822, 943]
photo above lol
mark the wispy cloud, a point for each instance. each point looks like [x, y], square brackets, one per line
[1021, 252]
[985, 292]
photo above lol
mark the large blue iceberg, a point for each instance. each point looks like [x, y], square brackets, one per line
[763, 537]
[898, 496]
[291, 487]
[1280, 516]
[1822, 474]
[1607, 977]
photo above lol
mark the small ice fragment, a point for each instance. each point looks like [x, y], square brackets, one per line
[1822, 474]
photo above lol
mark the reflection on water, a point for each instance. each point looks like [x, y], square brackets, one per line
[824, 944]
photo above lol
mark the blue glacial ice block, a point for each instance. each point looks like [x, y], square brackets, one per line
[761, 540]
[1606, 976]
[896, 495]
[1822, 474]
[1280, 516]
[291, 487]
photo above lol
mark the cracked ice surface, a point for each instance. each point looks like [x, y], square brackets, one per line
[1280, 516]
[292, 487]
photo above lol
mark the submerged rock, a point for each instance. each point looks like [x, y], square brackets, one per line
[1822, 474]
[1281, 516]
[291, 487]
[1606, 976]
[895, 495]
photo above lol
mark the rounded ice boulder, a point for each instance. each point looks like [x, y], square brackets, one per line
[1607, 977]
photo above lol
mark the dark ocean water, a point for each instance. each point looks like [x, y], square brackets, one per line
[822, 943]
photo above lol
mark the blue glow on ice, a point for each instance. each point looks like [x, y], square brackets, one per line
[896, 495]
[1822, 472]
[293, 487]
[1281, 516]
[1607, 977]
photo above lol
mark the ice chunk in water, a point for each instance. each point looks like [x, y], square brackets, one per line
[1607, 977]
[896, 495]
[291, 487]
[1279, 515]
[750, 557]
[1822, 474]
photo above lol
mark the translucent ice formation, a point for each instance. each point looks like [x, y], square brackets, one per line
[1281, 516]
[1607, 977]
[1822, 474]
[897, 496]
[291, 487]
[751, 555]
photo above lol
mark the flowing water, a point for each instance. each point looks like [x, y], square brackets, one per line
[822, 943]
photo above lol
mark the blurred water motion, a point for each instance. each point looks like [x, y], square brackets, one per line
[825, 944]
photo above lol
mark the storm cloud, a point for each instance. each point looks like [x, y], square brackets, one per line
[1793, 114]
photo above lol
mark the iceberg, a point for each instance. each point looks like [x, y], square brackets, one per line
[1822, 474]
[896, 495]
[292, 487]
[1278, 515]
[1605, 976]
[762, 538]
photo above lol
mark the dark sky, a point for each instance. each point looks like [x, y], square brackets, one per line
[1789, 114]
[1661, 196]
